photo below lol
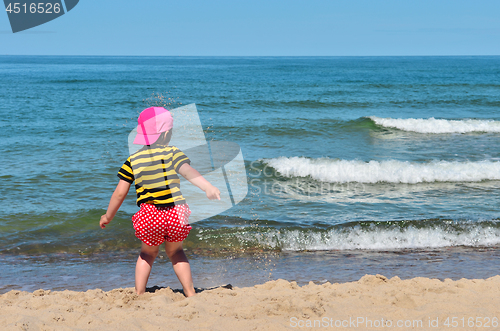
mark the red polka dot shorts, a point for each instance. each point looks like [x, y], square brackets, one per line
[153, 225]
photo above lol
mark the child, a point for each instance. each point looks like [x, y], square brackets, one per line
[164, 213]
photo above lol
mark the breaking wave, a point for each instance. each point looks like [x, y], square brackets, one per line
[432, 125]
[390, 171]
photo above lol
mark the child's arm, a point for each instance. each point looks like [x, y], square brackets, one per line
[116, 201]
[197, 179]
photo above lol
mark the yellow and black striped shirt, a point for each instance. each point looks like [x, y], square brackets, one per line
[154, 169]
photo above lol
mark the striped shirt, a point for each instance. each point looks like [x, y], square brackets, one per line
[154, 169]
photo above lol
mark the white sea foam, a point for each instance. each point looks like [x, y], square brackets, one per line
[473, 234]
[432, 125]
[390, 171]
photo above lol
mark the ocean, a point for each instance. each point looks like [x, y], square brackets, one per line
[355, 165]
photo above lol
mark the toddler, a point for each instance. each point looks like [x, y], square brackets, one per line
[164, 213]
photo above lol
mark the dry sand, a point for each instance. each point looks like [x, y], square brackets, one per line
[420, 303]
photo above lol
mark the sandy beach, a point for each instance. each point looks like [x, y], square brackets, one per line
[372, 303]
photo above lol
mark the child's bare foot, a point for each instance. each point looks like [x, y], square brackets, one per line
[189, 293]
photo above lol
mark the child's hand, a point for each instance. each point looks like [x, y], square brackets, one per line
[104, 221]
[213, 193]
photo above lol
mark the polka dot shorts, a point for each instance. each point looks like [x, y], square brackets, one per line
[153, 225]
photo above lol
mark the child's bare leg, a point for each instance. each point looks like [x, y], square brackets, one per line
[143, 266]
[181, 266]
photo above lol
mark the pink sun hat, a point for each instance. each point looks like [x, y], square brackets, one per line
[152, 122]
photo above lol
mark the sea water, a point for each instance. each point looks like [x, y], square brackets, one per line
[354, 165]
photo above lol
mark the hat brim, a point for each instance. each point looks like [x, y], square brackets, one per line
[143, 139]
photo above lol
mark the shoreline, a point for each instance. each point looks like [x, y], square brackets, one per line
[115, 270]
[274, 305]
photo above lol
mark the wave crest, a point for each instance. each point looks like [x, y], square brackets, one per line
[432, 125]
[418, 235]
[390, 171]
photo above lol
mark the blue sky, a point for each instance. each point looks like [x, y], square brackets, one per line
[264, 28]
